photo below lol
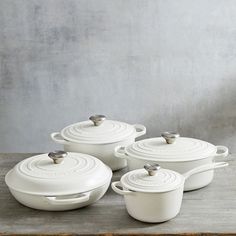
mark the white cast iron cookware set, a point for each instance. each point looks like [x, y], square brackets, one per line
[79, 176]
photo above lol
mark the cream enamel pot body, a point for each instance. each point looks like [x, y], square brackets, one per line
[155, 195]
[176, 153]
[62, 182]
[98, 137]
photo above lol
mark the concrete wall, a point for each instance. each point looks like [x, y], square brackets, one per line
[170, 65]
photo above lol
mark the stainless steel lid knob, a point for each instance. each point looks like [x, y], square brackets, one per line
[170, 137]
[152, 168]
[97, 119]
[57, 156]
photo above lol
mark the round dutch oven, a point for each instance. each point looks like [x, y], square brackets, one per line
[180, 154]
[59, 181]
[99, 137]
[154, 194]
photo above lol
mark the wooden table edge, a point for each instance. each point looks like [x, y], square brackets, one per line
[122, 234]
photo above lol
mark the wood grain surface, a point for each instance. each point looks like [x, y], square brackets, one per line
[208, 211]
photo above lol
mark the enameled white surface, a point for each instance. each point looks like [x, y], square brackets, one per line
[183, 149]
[108, 132]
[77, 173]
[208, 210]
[164, 180]
[156, 207]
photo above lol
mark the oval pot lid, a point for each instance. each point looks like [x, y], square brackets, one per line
[183, 149]
[77, 173]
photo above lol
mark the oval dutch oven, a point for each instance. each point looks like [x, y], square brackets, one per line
[98, 137]
[180, 154]
[58, 182]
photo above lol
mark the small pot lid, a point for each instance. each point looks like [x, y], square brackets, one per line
[171, 147]
[152, 179]
[58, 173]
[97, 130]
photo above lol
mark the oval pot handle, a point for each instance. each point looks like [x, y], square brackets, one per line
[58, 138]
[222, 151]
[204, 168]
[120, 152]
[140, 130]
[115, 186]
[80, 199]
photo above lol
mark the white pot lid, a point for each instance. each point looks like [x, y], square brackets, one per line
[152, 179]
[60, 174]
[97, 130]
[171, 147]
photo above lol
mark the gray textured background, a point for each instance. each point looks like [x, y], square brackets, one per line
[170, 65]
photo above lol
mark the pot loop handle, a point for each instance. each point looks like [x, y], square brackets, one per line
[84, 197]
[140, 130]
[117, 184]
[222, 151]
[204, 168]
[119, 152]
[56, 137]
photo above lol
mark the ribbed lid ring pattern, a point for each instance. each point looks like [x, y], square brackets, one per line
[182, 149]
[108, 132]
[43, 168]
[164, 180]
[40, 175]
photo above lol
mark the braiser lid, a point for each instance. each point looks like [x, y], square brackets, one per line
[97, 130]
[152, 179]
[171, 147]
[58, 173]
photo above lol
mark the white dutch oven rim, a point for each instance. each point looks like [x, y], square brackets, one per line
[135, 130]
[59, 192]
[122, 152]
[139, 130]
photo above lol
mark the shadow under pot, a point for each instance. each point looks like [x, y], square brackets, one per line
[98, 137]
[154, 194]
[59, 181]
[171, 151]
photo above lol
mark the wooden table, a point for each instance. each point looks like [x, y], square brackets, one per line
[211, 210]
